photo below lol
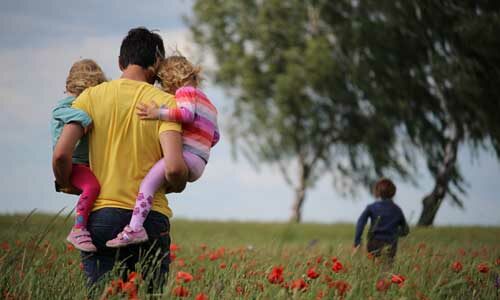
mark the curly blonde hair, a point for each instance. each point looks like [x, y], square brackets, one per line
[83, 74]
[176, 71]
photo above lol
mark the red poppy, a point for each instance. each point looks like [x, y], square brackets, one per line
[130, 288]
[180, 262]
[69, 247]
[457, 266]
[398, 279]
[311, 273]
[497, 262]
[213, 256]
[239, 290]
[382, 285]
[337, 266]
[222, 266]
[342, 287]
[201, 296]
[133, 276]
[483, 268]
[180, 291]
[299, 284]
[320, 295]
[174, 247]
[183, 277]
[276, 275]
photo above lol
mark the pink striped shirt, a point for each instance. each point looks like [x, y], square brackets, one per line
[199, 120]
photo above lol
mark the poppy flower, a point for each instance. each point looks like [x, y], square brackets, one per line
[342, 287]
[180, 291]
[311, 273]
[222, 266]
[201, 296]
[174, 247]
[382, 285]
[483, 268]
[320, 295]
[497, 262]
[239, 290]
[184, 277]
[69, 247]
[130, 288]
[337, 266]
[299, 284]
[276, 275]
[398, 279]
[457, 266]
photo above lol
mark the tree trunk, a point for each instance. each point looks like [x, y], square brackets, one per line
[432, 201]
[300, 192]
[300, 195]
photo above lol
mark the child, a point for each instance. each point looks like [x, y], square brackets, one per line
[387, 221]
[200, 133]
[83, 74]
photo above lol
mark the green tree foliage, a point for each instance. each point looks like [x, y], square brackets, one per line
[296, 106]
[348, 86]
[437, 63]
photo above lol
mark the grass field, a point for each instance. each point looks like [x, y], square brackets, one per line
[231, 260]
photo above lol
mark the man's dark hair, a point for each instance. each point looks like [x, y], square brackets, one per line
[141, 47]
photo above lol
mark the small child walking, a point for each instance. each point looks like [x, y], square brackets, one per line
[199, 134]
[83, 74]
[387, 222]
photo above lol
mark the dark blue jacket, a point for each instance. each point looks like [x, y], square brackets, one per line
[387, 222]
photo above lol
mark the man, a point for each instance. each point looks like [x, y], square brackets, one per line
[122, 150]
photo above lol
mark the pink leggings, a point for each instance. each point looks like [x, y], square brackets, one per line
[83, 179]
[154, 179]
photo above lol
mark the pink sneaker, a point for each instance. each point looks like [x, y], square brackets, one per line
[80, 238]
[128, 237]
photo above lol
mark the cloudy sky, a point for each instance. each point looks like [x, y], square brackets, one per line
[39, 40]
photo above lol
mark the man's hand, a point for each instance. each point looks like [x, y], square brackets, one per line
[149, 111]
[70, 190]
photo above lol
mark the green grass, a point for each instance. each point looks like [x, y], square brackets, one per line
[36, 263]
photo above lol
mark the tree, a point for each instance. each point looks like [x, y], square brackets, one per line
[296, 104]
[438, 61]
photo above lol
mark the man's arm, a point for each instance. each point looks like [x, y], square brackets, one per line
[63, 152]
[176, 172]
[67, 114]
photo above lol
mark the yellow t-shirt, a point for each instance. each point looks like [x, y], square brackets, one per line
[123, 148]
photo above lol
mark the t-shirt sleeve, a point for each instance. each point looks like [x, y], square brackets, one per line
[168, 101]
[82, 102]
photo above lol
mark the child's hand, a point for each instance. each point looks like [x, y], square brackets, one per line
[149, 111]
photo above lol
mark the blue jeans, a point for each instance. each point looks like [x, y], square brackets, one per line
[104, 224]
